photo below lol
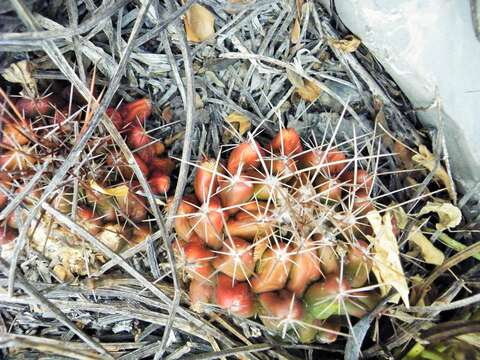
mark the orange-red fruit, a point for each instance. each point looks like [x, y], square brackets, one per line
[207, 222]
[361, 178]
[133, 206]
[287, 142]
[164, 165]
[141, 164]
[305, 268]
[7, 235]
[116, 117]
[136, 112]
[235, 191]
[139, 139]
[245, 155]
[331, 163]
[34, 107]
[198, 261]
[159, 183]
[235, 259]
[182, 225]
[273, 269]
[330, 189]
[234, 296]
[206, 179]
[89, 220]
[249, 226]
[11, 134]
[279, 306]
[200, 292]
[362, 204]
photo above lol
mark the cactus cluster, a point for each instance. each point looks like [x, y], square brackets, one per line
[106, 200]
[279, 232]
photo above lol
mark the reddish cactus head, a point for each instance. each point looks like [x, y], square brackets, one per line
[235, 259]
[287, 142]
[207, 222]
[246, 155]
[235, 297]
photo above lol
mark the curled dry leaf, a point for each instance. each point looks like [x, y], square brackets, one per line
[21, 73]
[306, 89]
[237, 121]
[121, 190]
[386, 256]
[199, 23]
[426, 159]
[449, 215]
[430, 253]
[348, 44]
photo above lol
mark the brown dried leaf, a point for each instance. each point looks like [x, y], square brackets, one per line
[21, 73]
[426, 159]
[199, 23]
[386, 255]
[349, 44]
[237, 121]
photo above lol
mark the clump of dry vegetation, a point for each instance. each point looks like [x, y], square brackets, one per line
[221, 178]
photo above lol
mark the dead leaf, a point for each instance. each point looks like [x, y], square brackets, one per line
[199, 23]
[386, 255]
[117, 191]
[306, 89]
[21, 73]
[449, 215]
[426, 159]
[295, 34]
[349, 44]
[401, 216]
[430, 253]
[239, 122]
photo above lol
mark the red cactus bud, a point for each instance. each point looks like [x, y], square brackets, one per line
[207, 222]
[34, 107]
[141, 164]
[331, 163]
[133, 206]
[198, 261]
[206, 179]
[116, 118]
[330, 189]
[283, 166]
[136, 112]
[139, 234]
[16, 160]
[362, 204]
[159, 183]
[279, 306]
[200, 293]
[12, 133]
[245, 155]
[159, 148]
[182, 225]
[325, 298]
[273, 269]
[7, 235]
[138, 140]
[235, 191]
[287, 142]
[236, 297]
[305, 268]
[164, 165]
[361, 178]
[235, 259]
[89, 220]
[249, 226]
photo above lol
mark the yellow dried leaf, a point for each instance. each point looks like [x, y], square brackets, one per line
[309, 91]
[449, 215]
[118, 191]
[426, 159]
[199, 23]
[21, 73]
[400, 216]
[295, 34]
[237, 121]
[386, 256]
[430, 253]
[349, 44]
